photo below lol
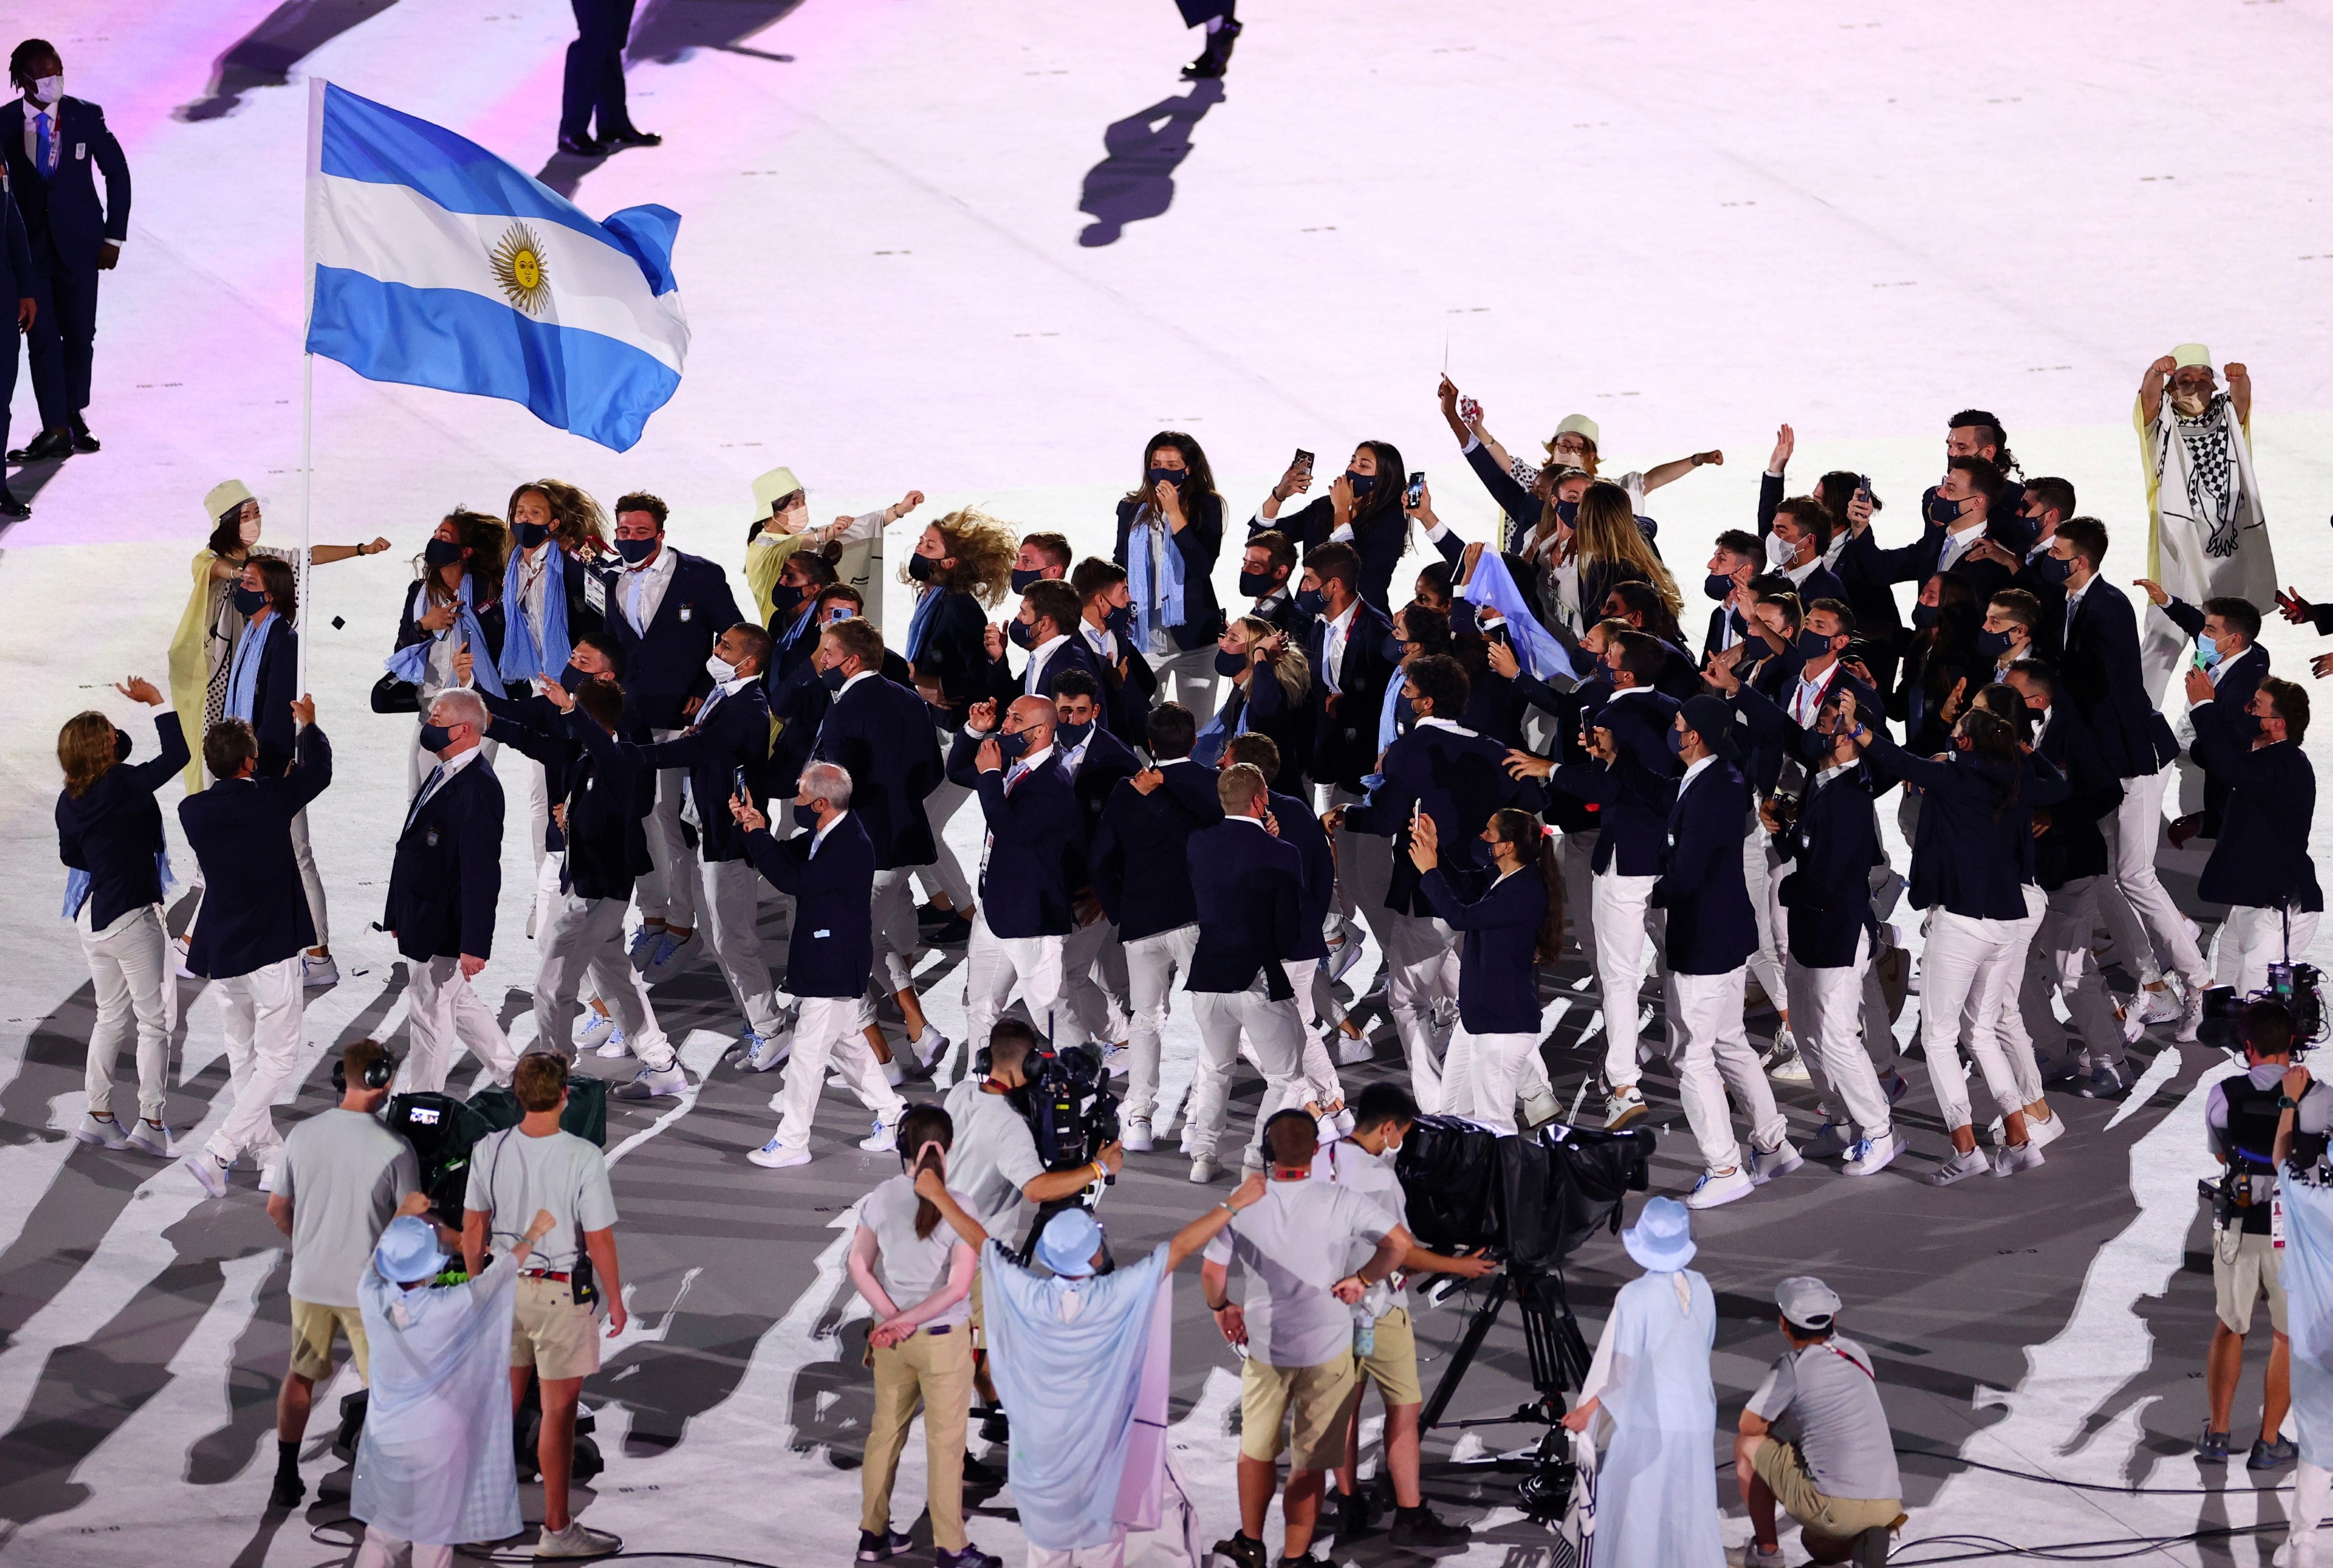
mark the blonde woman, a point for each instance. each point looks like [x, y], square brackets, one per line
[961, 569]
[1270, 680]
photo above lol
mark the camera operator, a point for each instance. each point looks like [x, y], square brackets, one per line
[2305, 1186]
[1296, 1322]
[1363, 1163]
[338, 1184]
[2260, 866]
[554, 1333]
[2242, 1115]
[1836, 1477]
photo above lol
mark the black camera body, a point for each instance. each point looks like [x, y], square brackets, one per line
[2294, 987]
[1066, 1103]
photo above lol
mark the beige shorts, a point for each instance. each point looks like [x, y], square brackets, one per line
[1311, 1400]
[1392, 1365]
[1778, 1465]
[552, 1334]
[2243, 1266]
[311, 1339]
[978, 1324]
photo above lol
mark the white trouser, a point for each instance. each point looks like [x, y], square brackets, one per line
[1316, 1078]
[1277, 1034]
[1195, 677]
[131, 978]
[993, 966]
[1112, 1554]
[310, 882]
[381, 1549]
[946, 873]
[1962, 951]
[668, 892]
[1827, 1012]
[262, 1011]
[2060, 963]
[1364, 873]
[1421, 969]
[1086, 997]
[832, 1029]
[586, 936]
[446, 1013]
[1575, 856]
[1710, 1045]
[2145, 902]
[2253, 938]
[1879, 1027]
[1484, 1075]
[1153, 965]
[733, 932]
[546, 894]
[1999, 987]
[894, 913]
[1758, 865]
[1620, 903]
[538, 810]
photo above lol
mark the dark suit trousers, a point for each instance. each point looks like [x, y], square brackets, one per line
[595, 69]
[64, 325]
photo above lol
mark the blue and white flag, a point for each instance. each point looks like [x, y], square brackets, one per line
[434, 263]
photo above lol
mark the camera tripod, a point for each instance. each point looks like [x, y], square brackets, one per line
[1559, 1359]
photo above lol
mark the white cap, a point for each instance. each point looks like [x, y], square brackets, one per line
[225, 496]
[2188, 354]
[774, 487]
[1580, 425]
[1807, 1302]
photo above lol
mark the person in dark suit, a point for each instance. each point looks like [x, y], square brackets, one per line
[879, 733]
[593, 86]
[1046, 627]
[2100, 675]
[965, 562]
[1170, 534]
[1223, 32]
[1106, 626]
[1248, 887]
[1802, 537]
[2227, 648]
[1030, 809]
[666, 608]
[2260, 866]
[1267, 580]
[254, 922]
[1511, 926]
[1353, 658]
[17, 284]
[1731, 564]
[1095, 762]
[1638, 606]
[1137, 857]
[1308, 968]
[1966, 497]
[55, 148]
[1363, 509]
[441, 889]
[110, 838]
[828, 870]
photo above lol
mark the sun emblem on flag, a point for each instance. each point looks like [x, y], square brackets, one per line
[518, 268]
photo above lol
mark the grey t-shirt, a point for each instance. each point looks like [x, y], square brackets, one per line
[1348, 1165]
[909, 1266]
[991, 1158]
[514, 1175]
[1296, 1242]
[1833, 1397]
[345, 1175]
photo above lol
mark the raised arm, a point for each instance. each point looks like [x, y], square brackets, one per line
[1661, 473]
[1195, 1235]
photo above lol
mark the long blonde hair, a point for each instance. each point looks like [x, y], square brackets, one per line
[1605, 528]
[983, 549]
[1289, 665]
[86, 750]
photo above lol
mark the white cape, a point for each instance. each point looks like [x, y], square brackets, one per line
[2197, 557]
[434, 1461]
[2307, 1272]
[1657, 1488]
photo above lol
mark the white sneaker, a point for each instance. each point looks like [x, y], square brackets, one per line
[1791, 1069]
[2011, 1158]
[2044, 1134]
[883, 1139]
[1870, 1155]
[777, 1156]
[267, 1175]
[2133, 1023]
[765, 1052]
[2157, 1006]
[1116, 1060]
[1716, 1187]
[654, 1083]
[1622, 1106]
[206, 1171]
[318, 970]
[152, 1139]
[2191, 1017]
[1352, 1052]
[1832, 1140]
[102, 1131]
[644, 945]
[1959, 1167]
[179, 947]
[1135, 1136]
[602, 1037]
[1183, 1145]
[1748, 1556]
[1342, 1119]
[672, 957]
[1204, 1170]
[578, 1539]
[929, 1047]
[1765, 1164]
[2298, 1551]
[894, 1074]
[1540, 1107]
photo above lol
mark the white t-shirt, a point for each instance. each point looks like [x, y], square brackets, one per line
[991, 1160]
[1348, 1165]
[1295, 1243]
[910, 1267]
[1842, 1427]
[514, 1176]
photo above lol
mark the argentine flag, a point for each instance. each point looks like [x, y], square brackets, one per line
[434, 263]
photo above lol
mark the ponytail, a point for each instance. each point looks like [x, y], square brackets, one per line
[1992, 738]
[1535, 845]
[925, 1134]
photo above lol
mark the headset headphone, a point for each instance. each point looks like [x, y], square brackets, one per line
[379, 1074]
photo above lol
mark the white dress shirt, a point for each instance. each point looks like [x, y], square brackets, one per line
[1957, 544]
[1332, 649]
[1033, 678]
[640, 591]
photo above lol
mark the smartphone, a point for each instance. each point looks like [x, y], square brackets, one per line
[1863, 488]
[1416, 490]
[1303, 459]
[738, 777]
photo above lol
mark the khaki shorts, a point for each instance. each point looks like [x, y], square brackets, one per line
[553, 1334]
[1392, 1365]
[978, 1324]
[1314, 1400]
[1778, 1465]
[311, 1339]
[2243, 1264]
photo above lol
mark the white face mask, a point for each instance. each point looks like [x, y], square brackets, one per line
[50, 90]
[248, 532]
[720, 669]
[1779, 555]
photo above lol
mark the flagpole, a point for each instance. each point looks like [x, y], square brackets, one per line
[307, 497]
[314, 162]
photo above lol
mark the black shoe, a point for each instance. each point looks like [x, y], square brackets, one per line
[995, 1428]
[630, 136]
[2269, 1456]
[1217, 56]
[13, 509]
[1240, 1551]
[48, 446]
[1356, 1515]
[875, 1546]
[287, 1491]
[931, 914]
[2213, 1449]
[582, 146]
[1419, 1528]
[955, 933]
[83, 440]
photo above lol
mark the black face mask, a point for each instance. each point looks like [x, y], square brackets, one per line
[2050, 569]
[571, 677]
[1178, 477]
[1023, 633]
[1119, 620]
[1991, 645]
[435, 737]
[1924, 617]
[636, 550]
[922, 568]
[1021, 579]
[1392, 649]
[1229, 664]
[832, 678]
[1567, 511]
[531, 534]
[1256, 584]
[1942, 512]
[785, 599]
[1362, 484]
[441, 552]
[1309, 601]
[1812, 645]
[122, 745]
[1717, 587]
[249, 601]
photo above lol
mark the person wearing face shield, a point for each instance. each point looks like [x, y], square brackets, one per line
[441, 890]
[2210, 530]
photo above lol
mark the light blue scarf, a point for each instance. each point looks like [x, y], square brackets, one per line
[1209, 746]
[1492, 587]
[1156, 605]
[243, 675]
[411, 662]
[1388, 729]
[919, 625]
[522, 661]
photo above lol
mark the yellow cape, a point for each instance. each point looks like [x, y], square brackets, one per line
[189, 667]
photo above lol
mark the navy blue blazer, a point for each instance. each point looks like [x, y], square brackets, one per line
[1345, 741]
[1634, 829]
[955, 651]
[1916, 563]
[63, 214]
[1249, 888]
[664, 666]
[832, 951]
[1301, 828]
[449, 871]
[272, 697]
[15, 253]
[1107, 762]
[2099, 673]
[255, 907]
[1498, 980]
[113, 829]
[880, 733]
[1379, 538]
[1073, 654]
[1973, 850]
[1200, 544]
[1710, 927]
[1832, 845]
[1269, 713]
[1022, 889]
[724, 739]
[609, 790]
[537, 730]
[2260, 859]
[2240, 677]
[2072, 845]
[1139, 857]
[1459, 780]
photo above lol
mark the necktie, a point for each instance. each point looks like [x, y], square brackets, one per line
[428, 788]
[632, 601]
[44, 149]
